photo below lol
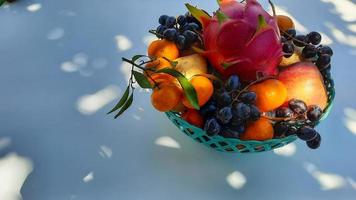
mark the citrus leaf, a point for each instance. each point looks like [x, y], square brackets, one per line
[199, 14]
[136, 57]
[126, 106]
[122, 100]
[141, 80]
[1, 2]
[188, 88]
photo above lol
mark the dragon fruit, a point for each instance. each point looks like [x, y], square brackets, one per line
[241, 38]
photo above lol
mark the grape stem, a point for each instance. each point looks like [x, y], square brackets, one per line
[273, 8]
[156, 34]
[284, 32]
[265, 115]
[142, 68]
[278, 119]
[249, 85]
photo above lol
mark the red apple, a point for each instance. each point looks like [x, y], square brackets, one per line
[305, 82]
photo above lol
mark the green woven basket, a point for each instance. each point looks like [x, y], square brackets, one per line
[235, 145]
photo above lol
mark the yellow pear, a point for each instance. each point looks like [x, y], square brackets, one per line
[191, 65]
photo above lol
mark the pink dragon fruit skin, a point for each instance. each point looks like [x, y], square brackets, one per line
[241, 44]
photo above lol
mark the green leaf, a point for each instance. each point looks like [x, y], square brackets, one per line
[221, 17]
[126, 106]
[171, 62]
[136, 57]
[122, 100]
[142, 80]
[2, 2]
[199, 14]
[188, 88]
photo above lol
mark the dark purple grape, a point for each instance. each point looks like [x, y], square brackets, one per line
[181, 42]
[314, 143]
[284, 112]
[314, 113]
[170, 34]
[291, 33]
[212, 127]
[298, 106]
[181, 20]
[162, 19]
[218, 85]
[283, 39]
[325, 50]
[323, 61]
[291, 131]
[307, 133]
[235, 122]
[280, 129]
[255, 113]
[309, 52]
[170, 22]
[192, 26]
[314, 38]
[160, 29]
[190, 36]
[242, 111]
[248, 97]
[208, 109]
[224, 99]
[288, 49]
[233, 83]
[224, 115]
[300, 40]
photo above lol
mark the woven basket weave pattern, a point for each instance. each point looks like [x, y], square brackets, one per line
[235, 145]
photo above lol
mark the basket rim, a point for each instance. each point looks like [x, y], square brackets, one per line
[256, 142]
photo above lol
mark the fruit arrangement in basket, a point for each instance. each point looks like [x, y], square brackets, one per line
[239, 80]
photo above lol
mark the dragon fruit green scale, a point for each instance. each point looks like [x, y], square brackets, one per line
[241, 38]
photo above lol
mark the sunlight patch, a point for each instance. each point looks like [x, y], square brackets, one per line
[34, 7]
[341, 37]
[123, 43]
[166, 141]
[90, 104]
[14, 170]
[350, 119]
[55, 34]
[287, 150]
[105, 151]
[89, 177]
[345, 8]
[327, 181]
[351, 182]
[236, 180]
[326, 40]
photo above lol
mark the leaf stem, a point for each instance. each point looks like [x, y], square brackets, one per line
[142, 68]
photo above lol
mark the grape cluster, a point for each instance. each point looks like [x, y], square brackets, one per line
[230, 109]
[297, 114]
[183, 30]
[310, 46]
